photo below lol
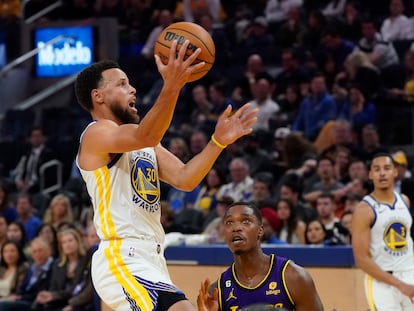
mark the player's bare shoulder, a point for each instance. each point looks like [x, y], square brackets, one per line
[302, 288]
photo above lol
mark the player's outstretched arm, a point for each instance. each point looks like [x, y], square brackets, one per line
[207, 299]
[302, 289]
[229, 128]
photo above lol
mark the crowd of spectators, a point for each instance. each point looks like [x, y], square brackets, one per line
[324, 75]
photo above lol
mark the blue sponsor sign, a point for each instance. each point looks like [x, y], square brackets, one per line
[63, 51]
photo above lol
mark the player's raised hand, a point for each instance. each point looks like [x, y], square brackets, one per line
[207, 300]
[179, 67]
[231, 126]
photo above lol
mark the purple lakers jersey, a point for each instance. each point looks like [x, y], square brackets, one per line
[234, 296]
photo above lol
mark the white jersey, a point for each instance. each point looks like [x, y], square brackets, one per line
[391, 243]
[129, 268]
[125, 195]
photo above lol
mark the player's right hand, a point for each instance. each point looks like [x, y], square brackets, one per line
[178, 69]
[205, 300]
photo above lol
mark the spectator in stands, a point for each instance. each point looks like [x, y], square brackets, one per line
[47, 232]
[198, 140]
[3, 230]
[350, 22]
[346, 220]
[213, 225]
[333, 9]
[358, 169]
[262, 194]
[381, 53]
[335, 232]
[312, 35]
[290, 31]
[218, 97]
[10, 20]
[279, 165]
[164, 20]
[201, 112]
[136, 23]
[271, 226]
[292, 73]
[341, 157]
[221, 42]
[6, 210]
[253, 153]
[254, 68]
[207, 197]
[360, 111]
[27, 172]
[291, 190]
[169, 223]
[16, 233]
[359, 70]
[298, 151]
[289, 103]
[240, 187]
[25, 215]
[370, 141]
[406, 93]
[13, 268]
[396, 26]
[262, 100]
[401, 164]
[67, 271]
[334, 46]
[83, 294]
[36, 280]
[257, 39]
[179, 147]
[293, 229]
[315, 233]
[276, 11]
[193, 10]
[59, 210]
[327, 182]
[315, 110]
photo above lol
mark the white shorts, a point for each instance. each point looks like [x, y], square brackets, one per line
[384, 297]
[127, 274]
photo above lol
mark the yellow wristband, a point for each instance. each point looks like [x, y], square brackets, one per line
[214, 140]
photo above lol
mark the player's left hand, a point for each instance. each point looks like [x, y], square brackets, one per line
[205, 300]
[230, 126]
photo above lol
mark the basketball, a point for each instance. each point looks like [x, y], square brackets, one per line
[198, 37]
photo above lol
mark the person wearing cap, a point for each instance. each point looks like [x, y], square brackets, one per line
[271, 226]
[401, 164]
[279, 165]
[256, 38]
[243, 283]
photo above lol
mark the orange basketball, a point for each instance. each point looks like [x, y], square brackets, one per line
[198, 37]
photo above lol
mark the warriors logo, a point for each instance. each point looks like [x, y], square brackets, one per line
[144, 180]
[395, 236]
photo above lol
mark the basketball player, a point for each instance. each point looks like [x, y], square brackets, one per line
[255, 277]
[381, 241]
[122, 164]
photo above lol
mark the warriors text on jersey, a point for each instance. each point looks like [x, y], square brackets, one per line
[272, 290]
[391, 244]
[129, 268]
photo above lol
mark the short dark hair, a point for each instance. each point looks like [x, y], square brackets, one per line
[326, 195]
[251, 205]
[89, 79]
[380, 155]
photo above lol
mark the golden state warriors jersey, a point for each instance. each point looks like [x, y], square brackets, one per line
[125, 195]
[391, 243]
